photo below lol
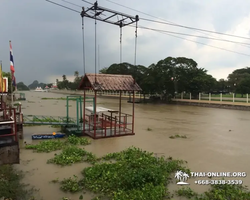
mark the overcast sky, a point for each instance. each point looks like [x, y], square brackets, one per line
[47, 39]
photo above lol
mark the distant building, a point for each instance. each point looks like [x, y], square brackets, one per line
[54, 86]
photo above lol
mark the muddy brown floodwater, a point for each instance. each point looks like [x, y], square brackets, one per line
[217, 140]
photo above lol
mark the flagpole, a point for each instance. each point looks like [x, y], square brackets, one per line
[11, 85]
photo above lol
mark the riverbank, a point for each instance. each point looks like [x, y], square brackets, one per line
[70, 92]
[213, 104]
[200, 103]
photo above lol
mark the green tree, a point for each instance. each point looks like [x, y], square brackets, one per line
[103, 70]
[21, 86]
[222, 85]
[236, 77]
[243, 86]
[64, 78]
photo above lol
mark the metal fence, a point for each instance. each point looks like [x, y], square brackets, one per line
[215, 97]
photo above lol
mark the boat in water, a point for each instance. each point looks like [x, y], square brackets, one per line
[39, 89]
[45, 136]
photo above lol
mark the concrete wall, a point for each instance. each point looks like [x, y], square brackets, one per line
[9, 153]
[214, 105]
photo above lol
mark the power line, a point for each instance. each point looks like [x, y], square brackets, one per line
[172, 23]
[180, 25]
[161, 31]
[87, 2]
[188, 27]
[71, 3]
[62, 6]
[207, 45]
[224, 40]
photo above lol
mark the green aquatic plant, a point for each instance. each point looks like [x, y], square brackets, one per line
[133, 174]
[70, 184]
[217, 192]
[186, 192]
[46, 146]
[56, 144]
[72, 139]
[177, 136]
[137, 174]
[73, 154]
[11, 186]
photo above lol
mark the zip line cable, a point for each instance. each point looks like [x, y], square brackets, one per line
[223, 40]
[83, 47]
[71, 3]
[207, 45]
[160, 31]
[198, 29]
[95, 38]
[136, 28]
[175, 24]
[87, 2]
[201, 31]
[120, 42]
[63, 6]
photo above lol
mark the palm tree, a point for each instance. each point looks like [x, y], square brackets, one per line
[64, 78]
[185, 176]
[178, 175]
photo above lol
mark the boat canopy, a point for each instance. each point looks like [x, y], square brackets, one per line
[98, 109]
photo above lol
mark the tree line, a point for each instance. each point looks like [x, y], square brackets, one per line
[66, 84]
[173, 75]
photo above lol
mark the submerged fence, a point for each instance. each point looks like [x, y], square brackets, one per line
[215, 97]
[104, 93]
[201, 96]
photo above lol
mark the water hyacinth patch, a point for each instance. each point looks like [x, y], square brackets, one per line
[217, 192]
[71, 155]
[72, 139]
[135, 174]
[46, 146]
[56, 144]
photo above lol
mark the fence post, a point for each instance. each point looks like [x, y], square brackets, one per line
[199, 96]
[220, 96]
[233, 97]
[247, 98]
[209, 97]
[190, 96]
[182, 95]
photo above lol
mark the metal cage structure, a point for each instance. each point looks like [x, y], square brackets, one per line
[103, 122]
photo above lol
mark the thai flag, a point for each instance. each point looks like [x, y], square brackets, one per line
[12, 69]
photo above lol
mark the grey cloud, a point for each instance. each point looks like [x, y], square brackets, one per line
[47, 39]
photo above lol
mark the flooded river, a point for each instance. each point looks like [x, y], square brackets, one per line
[217, 140]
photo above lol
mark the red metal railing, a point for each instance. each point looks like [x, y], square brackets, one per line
[12, 122]
[111, 125]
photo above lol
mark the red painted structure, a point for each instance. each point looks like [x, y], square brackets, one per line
[101, 122]
[9, 141]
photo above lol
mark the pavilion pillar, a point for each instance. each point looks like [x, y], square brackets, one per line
[120, 110]
[133, 113]
[83, 118]
[95, 116]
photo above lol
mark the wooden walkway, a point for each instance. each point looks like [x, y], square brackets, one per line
[213, 102]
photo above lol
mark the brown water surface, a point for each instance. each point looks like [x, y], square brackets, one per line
[217, 140]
